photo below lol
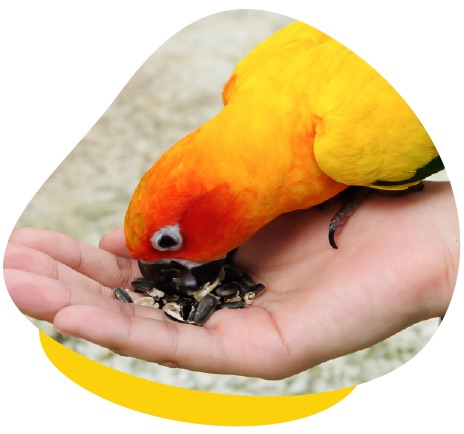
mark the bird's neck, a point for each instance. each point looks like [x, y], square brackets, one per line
[271, 157]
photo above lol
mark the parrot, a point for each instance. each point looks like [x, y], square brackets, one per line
[303, 119]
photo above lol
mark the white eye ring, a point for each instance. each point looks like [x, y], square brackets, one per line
[167, 238]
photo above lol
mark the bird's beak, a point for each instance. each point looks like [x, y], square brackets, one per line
[183, 274]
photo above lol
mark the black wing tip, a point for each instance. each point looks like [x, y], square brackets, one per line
[433, 166]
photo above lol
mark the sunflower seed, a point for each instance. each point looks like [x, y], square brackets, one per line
[205, 309]
[192, 295]
[122, 295]
[231, 305]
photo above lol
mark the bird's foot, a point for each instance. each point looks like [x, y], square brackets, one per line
[353, 198]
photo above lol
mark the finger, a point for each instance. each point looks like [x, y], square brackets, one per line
[36, 262]
[157, 341]
[115, 243]
[208, 349]
[98, 264]
[42, 297]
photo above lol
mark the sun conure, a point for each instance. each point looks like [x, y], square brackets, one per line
[303, 119]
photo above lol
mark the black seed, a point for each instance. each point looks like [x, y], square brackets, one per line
[236, 286]
[122, 295]
[179, 285]
[235, 274]
[231, 305]
[205, 309]
[227, 291]
[258, 289]
[244, 288]
[141, 285]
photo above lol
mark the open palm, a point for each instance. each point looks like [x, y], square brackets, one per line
[396, 265]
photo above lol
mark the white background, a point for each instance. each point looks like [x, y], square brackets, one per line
[63, 63]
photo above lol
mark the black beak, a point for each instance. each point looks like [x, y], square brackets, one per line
[176, 278]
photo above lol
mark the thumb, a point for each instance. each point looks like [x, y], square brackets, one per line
[114, 242]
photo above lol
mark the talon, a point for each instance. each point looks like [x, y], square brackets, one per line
[355, 195]
[332, 229]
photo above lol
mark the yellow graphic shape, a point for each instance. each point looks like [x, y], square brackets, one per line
[180, 404]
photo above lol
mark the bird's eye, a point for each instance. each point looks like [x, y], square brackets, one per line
[167, 238]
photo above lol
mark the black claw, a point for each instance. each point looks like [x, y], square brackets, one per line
[353, 198]
[332, 230]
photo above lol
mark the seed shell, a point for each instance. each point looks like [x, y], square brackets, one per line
[122, 295]
[192, 295]
[145, 301]
[239, 304]
[205, 309]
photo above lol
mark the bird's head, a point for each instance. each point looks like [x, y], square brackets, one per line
[186, 208]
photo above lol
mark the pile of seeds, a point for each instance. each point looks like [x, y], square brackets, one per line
[192, 295]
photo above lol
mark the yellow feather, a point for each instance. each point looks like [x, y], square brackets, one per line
[363, 129]
[304, 117]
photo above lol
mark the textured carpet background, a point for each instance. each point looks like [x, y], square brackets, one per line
[175, 91]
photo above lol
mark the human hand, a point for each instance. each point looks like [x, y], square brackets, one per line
[396, 265]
